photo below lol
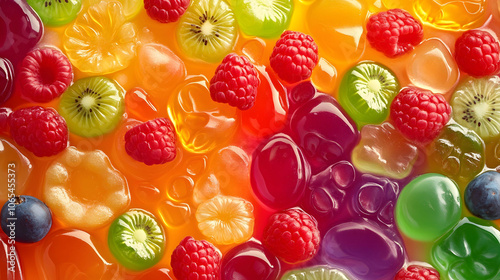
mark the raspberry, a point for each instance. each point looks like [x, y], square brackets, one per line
[152, 142]
[195, 259]
[394, 32]
[235, 82]
[165, 11]
[416, 272]
[419, 114]
[292, 235]
[476, 53]
[40, 130]
[44, 74]
[294, 56]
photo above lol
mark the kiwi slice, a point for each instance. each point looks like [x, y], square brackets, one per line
[476, 105]
[136, 240]
[263, 18]
[92, 106]
[207, 30]
[56, 12]
[366, 92]
[315, 273]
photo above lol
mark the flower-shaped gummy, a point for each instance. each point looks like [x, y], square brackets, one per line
[84, 190]
[100, 41]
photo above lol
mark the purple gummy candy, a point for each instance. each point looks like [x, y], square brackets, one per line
[324, 131]
[20, 29]
[326, 192]
[249, 261]
[365, 249]
[279, 172]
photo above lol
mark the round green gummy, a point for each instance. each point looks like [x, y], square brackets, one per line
[428, 207]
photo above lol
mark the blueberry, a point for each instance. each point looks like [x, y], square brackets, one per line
[482, 196]
[26, 219]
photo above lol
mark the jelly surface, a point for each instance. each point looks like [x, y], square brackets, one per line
[296, 147]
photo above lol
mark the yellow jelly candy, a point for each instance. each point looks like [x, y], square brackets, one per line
[100, 41]
[84, 190]
[226, 219]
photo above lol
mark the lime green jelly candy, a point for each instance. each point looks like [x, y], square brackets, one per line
[263, 18]
[428, 207]
[315, 273]
[366, 91]
[471, 251]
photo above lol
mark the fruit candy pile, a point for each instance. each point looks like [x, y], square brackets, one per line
[250, 139]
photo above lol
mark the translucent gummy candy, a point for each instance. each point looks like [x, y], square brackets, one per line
[58, 259]
[342, 40]
[84, 190]
[100, 41]
[428, 207]
[451, 14]
[226, 219]
[249, 261]
[201, 123]
[433, 67]
[373, 155]
[159, 69]
[365, 249]
[458, 153]
[21, 30]
[471, 250]
[323, 130]
[279, 172]
[16, 170]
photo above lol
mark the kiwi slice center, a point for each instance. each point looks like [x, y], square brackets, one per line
[205, 28]
[140, 235]
[374, 85]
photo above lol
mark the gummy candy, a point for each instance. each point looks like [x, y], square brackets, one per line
[428, 207]
[457, 153]
[279, 172]
[365, 249]
[471, 250]
[90, 40]
[249, 260]
[325, 135]
[373, 155]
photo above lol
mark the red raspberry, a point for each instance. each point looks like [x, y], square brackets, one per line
[294, 56]
[292, 235]
[44, 75]
[235, 82]
[420, 114]
[416, 272]
[477, 53]
[165, 11]
[394, 32]
[152, 142]
[40, 130]
[195, 259]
